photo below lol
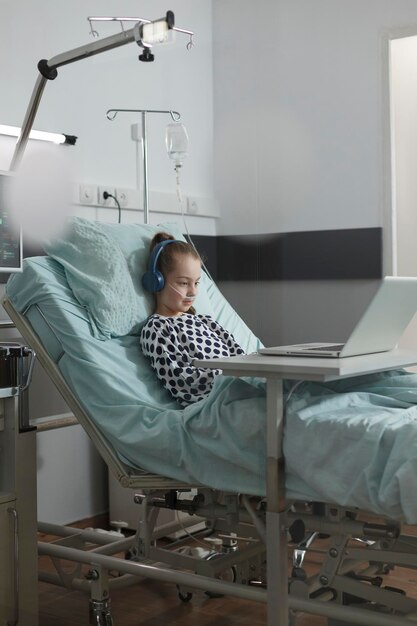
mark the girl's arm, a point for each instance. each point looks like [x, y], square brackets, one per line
[185, 382]
[174, 368]
[225, 336]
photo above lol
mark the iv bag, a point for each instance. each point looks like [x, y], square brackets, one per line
[176, 140]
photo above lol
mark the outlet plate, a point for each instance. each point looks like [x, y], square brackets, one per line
[132, 199]
[128, 198]
[122, 196]
[125, 197]
[87, 194]
[192, 206]
[100, 191]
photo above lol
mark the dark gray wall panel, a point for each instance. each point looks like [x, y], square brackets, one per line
[314, 255]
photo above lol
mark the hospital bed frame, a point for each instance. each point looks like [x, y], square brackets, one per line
[355, 558]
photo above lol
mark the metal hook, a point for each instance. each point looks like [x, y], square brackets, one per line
[111, 113]
[190, 44]
[92, 31]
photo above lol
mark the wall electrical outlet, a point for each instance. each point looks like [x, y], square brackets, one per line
[192, 206]
[87, 194]
[100, 199]
[123, 196]
[128, 198]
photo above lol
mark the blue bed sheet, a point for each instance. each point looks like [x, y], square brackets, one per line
[352, 442]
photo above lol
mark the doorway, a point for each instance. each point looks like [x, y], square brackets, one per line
[403, 135]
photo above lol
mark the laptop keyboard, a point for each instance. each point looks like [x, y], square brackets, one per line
[333, 348]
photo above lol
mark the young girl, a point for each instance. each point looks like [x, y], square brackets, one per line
[175, 334]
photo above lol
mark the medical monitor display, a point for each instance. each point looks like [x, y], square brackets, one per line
[10, 238]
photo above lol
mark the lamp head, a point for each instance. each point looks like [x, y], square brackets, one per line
[156, 32]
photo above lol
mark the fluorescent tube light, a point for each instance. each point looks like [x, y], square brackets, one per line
[14, 131]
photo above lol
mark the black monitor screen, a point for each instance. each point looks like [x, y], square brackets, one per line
[10, 238]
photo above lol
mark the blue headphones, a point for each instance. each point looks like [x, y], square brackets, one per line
[152, 280]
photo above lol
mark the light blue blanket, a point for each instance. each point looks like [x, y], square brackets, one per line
[350, 442]
[354, 442]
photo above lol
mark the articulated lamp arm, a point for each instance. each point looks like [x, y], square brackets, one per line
[48, 71]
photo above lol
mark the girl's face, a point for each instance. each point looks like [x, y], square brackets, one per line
[181, 286]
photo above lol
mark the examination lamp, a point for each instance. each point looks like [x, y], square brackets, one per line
[14, 131]
[145, 33]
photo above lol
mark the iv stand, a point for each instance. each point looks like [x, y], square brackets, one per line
[111, 114]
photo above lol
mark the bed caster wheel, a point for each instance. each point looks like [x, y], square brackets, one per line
[184, 596]
[298, 573]
[229, 575]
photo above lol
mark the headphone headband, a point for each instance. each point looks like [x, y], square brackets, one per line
[153, 279]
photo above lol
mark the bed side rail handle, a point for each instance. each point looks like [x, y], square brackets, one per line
[24, 421]
[28, 378]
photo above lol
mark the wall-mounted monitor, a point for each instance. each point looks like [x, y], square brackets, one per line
[11, 252]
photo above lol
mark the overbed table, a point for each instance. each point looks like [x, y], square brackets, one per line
[275, 369]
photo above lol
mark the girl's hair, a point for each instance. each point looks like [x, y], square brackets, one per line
[166, 260]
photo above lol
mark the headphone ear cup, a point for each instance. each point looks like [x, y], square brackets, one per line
[153, 281]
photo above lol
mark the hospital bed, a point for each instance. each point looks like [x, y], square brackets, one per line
[81, 309]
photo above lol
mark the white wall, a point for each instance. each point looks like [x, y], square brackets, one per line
[298, 103]
[76, 103]
[302, 140]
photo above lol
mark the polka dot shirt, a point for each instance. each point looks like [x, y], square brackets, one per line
[171, 343]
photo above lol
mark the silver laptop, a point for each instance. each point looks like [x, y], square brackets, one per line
[379, 329]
